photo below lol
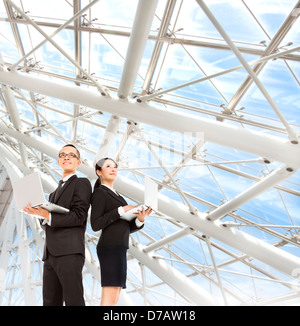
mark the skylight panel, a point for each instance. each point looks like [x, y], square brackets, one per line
[8, 47]
[112, 13]
[55, 11]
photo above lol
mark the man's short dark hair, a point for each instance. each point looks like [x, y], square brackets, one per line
[78, 153]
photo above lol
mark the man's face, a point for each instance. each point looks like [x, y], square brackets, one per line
[68, 159]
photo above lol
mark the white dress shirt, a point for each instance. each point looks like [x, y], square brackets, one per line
[65, 179]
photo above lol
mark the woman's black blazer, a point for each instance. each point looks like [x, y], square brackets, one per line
[105, 217]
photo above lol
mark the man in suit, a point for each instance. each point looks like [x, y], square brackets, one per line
[64, 251]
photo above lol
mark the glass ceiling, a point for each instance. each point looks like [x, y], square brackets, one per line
[200, 97]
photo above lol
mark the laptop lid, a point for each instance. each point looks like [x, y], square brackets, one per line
[29, 189]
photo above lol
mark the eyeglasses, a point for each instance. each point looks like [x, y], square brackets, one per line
[64, 155]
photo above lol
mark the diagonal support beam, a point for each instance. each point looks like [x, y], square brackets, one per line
[188, 289]
[14, 116]
[273, 46]
[108, 137]
[101, 89]
[67, 23]
[262, 60]
[291, 132]
[147, 143]
[165, 23]
[141, 28]
[13, 111]
[252, 246]
[256, 143]
[168, 239]
[6, 235]
[266, 183]
[25, 260]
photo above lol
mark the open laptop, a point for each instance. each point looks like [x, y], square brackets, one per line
[30, 190]
[128, 216]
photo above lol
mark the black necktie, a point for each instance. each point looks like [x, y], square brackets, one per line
[58, 190]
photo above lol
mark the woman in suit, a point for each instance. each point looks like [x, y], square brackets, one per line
[106, 215]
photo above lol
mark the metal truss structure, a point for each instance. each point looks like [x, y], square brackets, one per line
[199, 98]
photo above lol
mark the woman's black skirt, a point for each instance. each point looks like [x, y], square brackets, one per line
[113, 266]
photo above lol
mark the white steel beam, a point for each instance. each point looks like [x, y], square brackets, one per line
[108, 137]
[271, 48]
[209, 246]
[156, 156]
[102, 90]
[140, 31]
[252, 246]
[25, 261]
[14, 116]
[188, 289]
[243, 242]
[3, 176]
[6, 237]
[168, 239]
[16, 219]
[273, 56]
[68, 22]
[256, 143]
[13, 111]
[38, 113]
[291, 132]
[186, 158]
[162, 32]
[258, 188]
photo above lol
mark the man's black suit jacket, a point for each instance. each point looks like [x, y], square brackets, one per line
[65, 236]
[105, 217]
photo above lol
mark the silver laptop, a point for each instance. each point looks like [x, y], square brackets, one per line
[30, 190]
[128, 216]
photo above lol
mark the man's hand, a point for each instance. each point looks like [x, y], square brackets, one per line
[36, 211]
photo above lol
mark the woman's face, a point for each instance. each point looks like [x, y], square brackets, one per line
[109, 171]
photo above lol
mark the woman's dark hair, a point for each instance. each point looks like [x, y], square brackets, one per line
[98, 167]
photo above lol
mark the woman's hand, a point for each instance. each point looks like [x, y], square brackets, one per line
[141, 215]
[128, 208]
